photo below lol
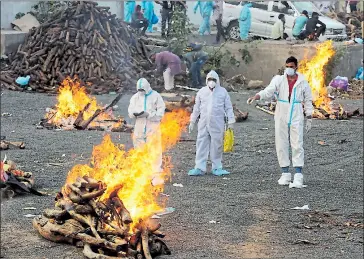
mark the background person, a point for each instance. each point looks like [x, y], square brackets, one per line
[166, 13]
[278, 28]
[212, 104]
[148, 10]
[299, 24]
[207, 9]
[138, 20]
[169, 64]
[292, 90]
[245, 21]
[129, 7]
[217, 15]
[194, 62]
[313, 31]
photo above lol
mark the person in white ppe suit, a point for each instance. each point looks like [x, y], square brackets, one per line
[292, 90]
[212, 105]
[147, 107]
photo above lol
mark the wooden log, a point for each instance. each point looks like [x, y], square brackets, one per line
[85, 219]
[124, 213]
[145, 243]
[55, 214]
[41, 225]
[88, 253]
[17, 144]
[83, 125]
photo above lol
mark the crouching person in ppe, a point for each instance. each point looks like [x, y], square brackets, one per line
[147, 108]
[212, 104]
[292, 90]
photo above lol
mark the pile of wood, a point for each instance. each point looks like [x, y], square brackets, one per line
[353, 21]
[102, 228]
[84, 40]
[14, 181]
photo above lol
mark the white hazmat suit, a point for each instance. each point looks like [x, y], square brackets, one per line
[212, 106]
[153, 105]
[289, 117]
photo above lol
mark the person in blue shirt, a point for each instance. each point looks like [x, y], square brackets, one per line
[245, 21]
[129, 7]
[299, 24]
[207, 10]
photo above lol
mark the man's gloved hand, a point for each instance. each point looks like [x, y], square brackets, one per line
[250, 100]
[308, 125]
[190, 127]
[143, 115]
[231, 126]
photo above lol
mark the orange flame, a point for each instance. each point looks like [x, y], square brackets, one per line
[72, 99]
[133, 170]
[314, 71]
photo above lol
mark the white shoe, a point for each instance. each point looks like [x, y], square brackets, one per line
[285, 179]
[297, 181]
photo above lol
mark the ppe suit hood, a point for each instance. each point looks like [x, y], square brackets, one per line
[213, 74]
[143, 84]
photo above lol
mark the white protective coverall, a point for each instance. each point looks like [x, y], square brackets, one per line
[152, 103]
[211, 106]
[289, 118]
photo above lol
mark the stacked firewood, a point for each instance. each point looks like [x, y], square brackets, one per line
[84, 40]
[104, 228]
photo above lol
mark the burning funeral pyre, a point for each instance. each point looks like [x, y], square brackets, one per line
[314, 72]
[105, 207]
[76, 109]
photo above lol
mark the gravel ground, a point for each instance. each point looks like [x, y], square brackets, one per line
[252, 211]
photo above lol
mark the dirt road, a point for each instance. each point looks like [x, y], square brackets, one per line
[252, 212]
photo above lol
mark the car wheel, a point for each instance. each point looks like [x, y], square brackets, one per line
[233, 30]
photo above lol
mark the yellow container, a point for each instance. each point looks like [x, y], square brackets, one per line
[229, 141]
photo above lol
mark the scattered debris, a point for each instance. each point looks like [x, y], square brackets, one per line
[178, 185]
[103, 227]
[304, 207]
[304, 242]
[6, 114]
[14, 181]
[239, 115]
[4, 144]
[322, 143]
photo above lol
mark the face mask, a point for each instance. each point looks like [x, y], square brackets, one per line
[290, 71]
[141, 93]
[211, 84]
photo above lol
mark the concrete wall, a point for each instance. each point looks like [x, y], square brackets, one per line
[9, 9]
[269, 56]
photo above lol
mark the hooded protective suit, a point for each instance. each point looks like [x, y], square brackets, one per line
[152, 103]
[129, 7]
[289, 118]
[148, 7]
[207, 9]
[245, 21]
[198, 5]
[212, 106]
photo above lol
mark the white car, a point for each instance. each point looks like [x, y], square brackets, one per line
[265, 13]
